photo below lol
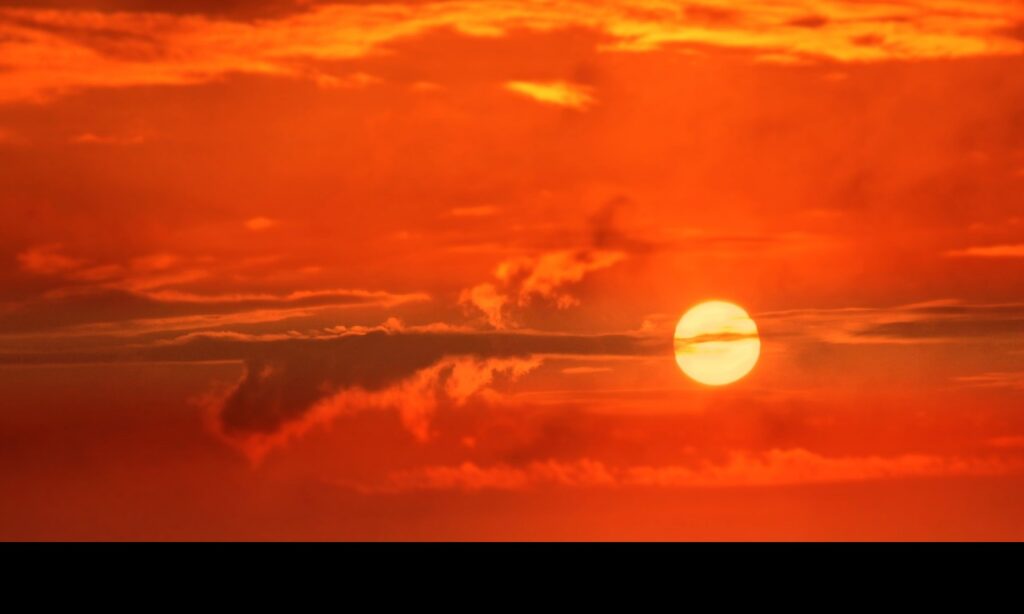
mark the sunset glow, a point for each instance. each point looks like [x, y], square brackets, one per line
[512, 269]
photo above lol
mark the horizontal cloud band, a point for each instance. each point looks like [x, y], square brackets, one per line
[48, 52]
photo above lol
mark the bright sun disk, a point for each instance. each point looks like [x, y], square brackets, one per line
[716, 343]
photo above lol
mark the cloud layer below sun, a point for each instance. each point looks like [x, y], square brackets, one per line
[772, 468]
[49, 52]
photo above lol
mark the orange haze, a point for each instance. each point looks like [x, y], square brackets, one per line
[311, 269]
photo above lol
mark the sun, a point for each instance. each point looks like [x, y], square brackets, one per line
[717, 343]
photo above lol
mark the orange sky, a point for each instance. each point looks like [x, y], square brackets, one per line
[291, 269]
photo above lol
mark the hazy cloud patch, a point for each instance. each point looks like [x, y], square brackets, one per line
[989, 251]
[779, 467]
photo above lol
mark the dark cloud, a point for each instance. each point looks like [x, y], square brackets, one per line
[868, 40]
[1007, 312]
[1015, 31]
[284, 380]
[712, 15]
[109, 306]
[607, 232]
[943, 328]
[810, 21]
[952, 321]
[940, 321]
[233, 9]
[111, 42]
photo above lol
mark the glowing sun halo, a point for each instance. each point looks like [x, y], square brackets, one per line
[716, 343]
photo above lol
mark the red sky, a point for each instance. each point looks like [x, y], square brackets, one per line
[291, 269]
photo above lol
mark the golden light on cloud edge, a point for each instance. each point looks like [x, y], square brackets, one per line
[558, 93]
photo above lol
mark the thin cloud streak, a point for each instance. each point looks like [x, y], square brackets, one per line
[779, 467]
[941, 321]
[992, 251]
[557, 93]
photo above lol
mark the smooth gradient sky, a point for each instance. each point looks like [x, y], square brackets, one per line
[289, 269]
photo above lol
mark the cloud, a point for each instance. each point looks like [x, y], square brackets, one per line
[1011, 380]
[121, 313]
[151, 293]
[448, 383]
[50, 52]
[478, 211]
[356, 80]
[471, 477]
[1007, 442]
[9, 137]
[941, 321]
[558, 93]
[90, 138]
[292, 385]
[773, 468]
[258, 224]
[607, 232]
[992, 251]
[47, 260]
[585, 370]
[544, 277]
[548, 277]
[488, 300]
[234, 9]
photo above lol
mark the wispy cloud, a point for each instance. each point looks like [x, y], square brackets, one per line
[48, 260]
[1011, 380]
[990, 251]
[91, 138]
[351, 81]
[741, 469]
[1011, 441]
[258, 224]
[940, 321]
[542, 277]
[585, 370]
[159, 293]
[474, 212]
[213, 312]
[558, 93]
